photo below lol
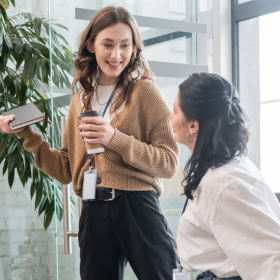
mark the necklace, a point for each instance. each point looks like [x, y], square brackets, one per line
[103, 96]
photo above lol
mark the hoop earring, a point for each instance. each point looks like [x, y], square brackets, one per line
[191, 136]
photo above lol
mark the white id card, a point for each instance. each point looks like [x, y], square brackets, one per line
[89, 185]
[177, 275]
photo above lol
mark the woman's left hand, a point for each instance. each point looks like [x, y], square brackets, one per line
[97, 130]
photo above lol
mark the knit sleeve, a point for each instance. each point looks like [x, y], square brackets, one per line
[51, 161]
[158, 159]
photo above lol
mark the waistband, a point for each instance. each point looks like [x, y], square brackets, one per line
[210, 275]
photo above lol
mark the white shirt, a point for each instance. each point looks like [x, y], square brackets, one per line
[232, 226]
[99, 101]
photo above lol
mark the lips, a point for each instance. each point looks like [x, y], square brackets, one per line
[111, 63]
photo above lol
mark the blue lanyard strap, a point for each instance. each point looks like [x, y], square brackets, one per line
[107, 105]
[104, 112]
[185, 205]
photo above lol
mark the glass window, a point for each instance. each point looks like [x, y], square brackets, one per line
[260, 96]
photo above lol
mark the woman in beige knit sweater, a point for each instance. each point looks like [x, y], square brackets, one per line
[139, 150]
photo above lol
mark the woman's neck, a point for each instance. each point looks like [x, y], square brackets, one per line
[104, 80]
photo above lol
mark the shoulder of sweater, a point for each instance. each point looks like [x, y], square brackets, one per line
[146, 85]
[149, 92]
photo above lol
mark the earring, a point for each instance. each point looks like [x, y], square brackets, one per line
[191, 136]
[97, 70]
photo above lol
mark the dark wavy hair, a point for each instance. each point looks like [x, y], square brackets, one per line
[223, 133]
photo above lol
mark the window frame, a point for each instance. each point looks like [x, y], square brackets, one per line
[245, 11]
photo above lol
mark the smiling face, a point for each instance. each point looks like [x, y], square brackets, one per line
[113, 48]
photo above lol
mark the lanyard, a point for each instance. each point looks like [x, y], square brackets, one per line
[104, 112]
[185, 205]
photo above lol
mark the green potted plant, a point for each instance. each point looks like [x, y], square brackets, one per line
[33, 57]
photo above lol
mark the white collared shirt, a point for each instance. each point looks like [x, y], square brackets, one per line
[232, 226]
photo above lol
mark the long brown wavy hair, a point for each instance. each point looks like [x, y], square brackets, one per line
[86, 78]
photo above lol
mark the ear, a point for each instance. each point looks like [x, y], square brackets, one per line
[194, 127]
[90, 46]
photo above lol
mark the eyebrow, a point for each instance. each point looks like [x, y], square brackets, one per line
[110, 40]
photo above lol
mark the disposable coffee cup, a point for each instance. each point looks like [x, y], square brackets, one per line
[92, 148]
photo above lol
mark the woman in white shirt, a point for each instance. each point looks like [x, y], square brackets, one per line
[230, 228]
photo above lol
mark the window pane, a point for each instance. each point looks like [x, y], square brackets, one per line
[260, 96]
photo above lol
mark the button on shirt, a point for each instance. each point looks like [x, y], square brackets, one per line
[232, 226]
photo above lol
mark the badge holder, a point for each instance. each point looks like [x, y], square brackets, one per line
[178, 274]
[89, 183]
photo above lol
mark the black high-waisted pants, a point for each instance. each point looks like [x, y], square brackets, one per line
[129, 228]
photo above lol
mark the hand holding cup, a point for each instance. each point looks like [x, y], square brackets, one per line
[96, 132]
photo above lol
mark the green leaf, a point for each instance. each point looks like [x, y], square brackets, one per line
[6, 51]
[29, 156]
[5, 167]
[59, 212]
[48, 215]
[56, 76]
[9, 97]
[39, 193]
[19, 61]
[44, 204]
[37, 26]
[48, 189]
[22, 90]
[41, 48]
[11, 178]
[24, 34]
[29, 69]
[60, 25]
[46, 26]
[1, 36]
[32, 189]
[11, 147]
[44, 68]
[26, 174]
[13, 2]
[27, 52]
[8, 42]
[3, 143]
[66, 80]
[12, 162]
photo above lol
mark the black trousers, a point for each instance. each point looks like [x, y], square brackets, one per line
[129, 228]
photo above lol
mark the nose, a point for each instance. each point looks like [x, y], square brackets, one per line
[116, 53]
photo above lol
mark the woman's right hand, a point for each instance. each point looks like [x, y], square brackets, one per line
[4, 125]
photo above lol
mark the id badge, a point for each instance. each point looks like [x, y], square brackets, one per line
[89, 185]
[179, 275]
